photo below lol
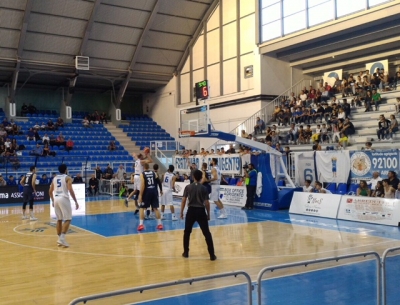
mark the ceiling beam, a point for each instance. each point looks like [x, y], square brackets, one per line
[85, 38]
[196, 34]
[21, 43]
[138, 48]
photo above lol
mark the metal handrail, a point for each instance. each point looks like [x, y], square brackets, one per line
[265, 113]
[383, 266]
[167, 284]
[323, 260]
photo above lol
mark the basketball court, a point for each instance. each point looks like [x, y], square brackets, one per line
[107, 253]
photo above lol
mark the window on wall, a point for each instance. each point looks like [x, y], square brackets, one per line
[346, 7]
[282, 17]
[319, 11]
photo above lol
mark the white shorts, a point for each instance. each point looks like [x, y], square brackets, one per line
[214, 196]
[166, 198]
[62, 207]
[136, 182]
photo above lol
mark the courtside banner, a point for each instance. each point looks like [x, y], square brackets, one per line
[370, 209]
[315, 204]
[179, 188]
[79, 190]
[233, 195]
[364, 163]
[333, 166]
[228, 164]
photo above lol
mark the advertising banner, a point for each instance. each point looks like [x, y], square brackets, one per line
[233, 195]
[364, 163]
[179, 188]
[330, 77]
[13, 194]
[373, 66]
[370, 209]
[315, 204]
[228, 164]
[333, 166]
[79, 190]
[304, 167]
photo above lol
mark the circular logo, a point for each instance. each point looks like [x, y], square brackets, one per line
[360, 163]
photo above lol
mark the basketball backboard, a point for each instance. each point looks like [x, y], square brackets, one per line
[194, 121]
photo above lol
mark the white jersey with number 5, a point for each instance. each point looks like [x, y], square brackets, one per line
[60, 186]
[138, 167]
[167, 181]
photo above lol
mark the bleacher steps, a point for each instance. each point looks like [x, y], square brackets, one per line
[122, 138]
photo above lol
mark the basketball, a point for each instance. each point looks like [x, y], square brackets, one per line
[146, 150]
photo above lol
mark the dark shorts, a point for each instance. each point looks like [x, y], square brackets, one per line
[27, 195]
[150, 199]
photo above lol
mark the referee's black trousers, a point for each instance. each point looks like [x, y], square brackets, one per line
[251, 192]
[199, 215]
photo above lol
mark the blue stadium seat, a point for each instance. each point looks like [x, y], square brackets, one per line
[232, 181]
[342, 189]
[332, 188]
[353, 188]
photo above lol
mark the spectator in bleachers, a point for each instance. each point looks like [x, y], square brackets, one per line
[307, 134]
[376, 99]
[337, 86]
[388, 189]
[44, 180]
[240, 182]
[77, 179]
[103, 118]
[298, 115]
[276, 112]
[274, 138]
[231, 149]
[302, 135]
[368, 146]
[327, 112]
[24, 109]
[316, 146]
[51, 126]
[363, 189]
[312, 97]
[303, 97]
[47, 151]
[59, 123]
[7, 143]
[43, 126]
[60, 141]
[348, 128]
[317, 134]
[374, 180]
[278, 147]
[36, 126]
[11, 155]
[120, 172]
[37, 151]
[324, 134]
[396, 80]
[11, 181]
[375, 81]
[108, 172]
[69, 145]
[392, 179]
[15, 130]
[292, 135]
[98, 172]
[31, 109]
[307, 187]
[319, 189]
[305, 117]
[112, 146]
[93, 185]
[37, 136]
[383, 127]
[394, 126]
[3, 134]
[346, 108]
[86, 123]
[285, 117]
[378, 191]
[341, 114]
[45, 139]
[2, 181]
[260, 126]
[222, 151]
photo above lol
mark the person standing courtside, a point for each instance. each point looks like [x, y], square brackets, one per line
[215, 182]
[168, 186]
[59, 191]
[140, 160]
[29, 183]
[198, 211]
[251, 186]
[148, 196]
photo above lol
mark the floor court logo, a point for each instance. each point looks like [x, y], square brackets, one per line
[360, 163]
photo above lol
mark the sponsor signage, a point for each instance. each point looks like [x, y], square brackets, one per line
[228, 164]
[364, 163]
[179, 188]
[233, 195]
[370, 209]
[13, 194]
[315, 204]
[79, 190]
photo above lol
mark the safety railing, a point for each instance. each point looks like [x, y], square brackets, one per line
[323, 260]
[85, 299]
[384, 274]
[265, 113]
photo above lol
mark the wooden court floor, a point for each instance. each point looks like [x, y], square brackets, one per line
[34, 270]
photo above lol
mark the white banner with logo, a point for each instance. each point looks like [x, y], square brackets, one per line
[179, 188]
[79, 190]
[373, 66]
[370, 209]
[228, 164]
[233, 195]
[315, 204]
[330, 77]
[333, 166]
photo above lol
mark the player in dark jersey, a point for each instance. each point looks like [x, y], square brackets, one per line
[148, 196]
[29, 183]
[206, 177]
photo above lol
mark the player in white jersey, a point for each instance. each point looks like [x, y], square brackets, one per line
[215, 182]
[60, 188]
[168, 186]
[141, 159]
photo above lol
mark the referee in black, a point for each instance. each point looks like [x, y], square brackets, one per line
[198, 210]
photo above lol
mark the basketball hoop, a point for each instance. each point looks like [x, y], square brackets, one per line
[187, 133]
